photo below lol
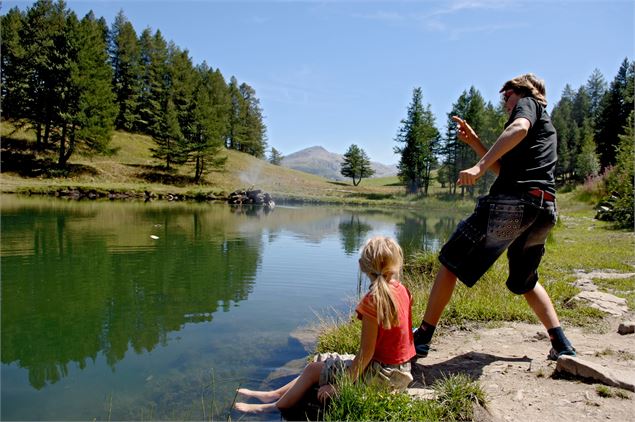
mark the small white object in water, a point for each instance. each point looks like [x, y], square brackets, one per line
[154, 237]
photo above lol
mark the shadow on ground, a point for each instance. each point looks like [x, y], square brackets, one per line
[19, 157]
[161, 174]
[471, 364]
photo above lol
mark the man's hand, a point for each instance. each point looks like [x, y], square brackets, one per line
[326, 392]
[465, 132]
[468, 177]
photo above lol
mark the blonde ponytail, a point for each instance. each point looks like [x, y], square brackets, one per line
[381, 259]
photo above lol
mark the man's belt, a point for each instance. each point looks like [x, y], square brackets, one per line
[544, 196]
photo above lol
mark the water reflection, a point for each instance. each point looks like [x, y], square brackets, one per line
[148, 299]
[97, 282]
[353, 232]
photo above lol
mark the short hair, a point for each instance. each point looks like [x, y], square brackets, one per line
[528, 85]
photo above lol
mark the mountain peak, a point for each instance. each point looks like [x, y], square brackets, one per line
[317, 160]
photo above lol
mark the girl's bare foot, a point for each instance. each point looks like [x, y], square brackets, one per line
[255, 408]
[263, 396]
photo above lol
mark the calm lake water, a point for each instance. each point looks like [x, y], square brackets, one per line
[131, 310]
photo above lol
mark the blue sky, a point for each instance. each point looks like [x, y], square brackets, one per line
[334, 73]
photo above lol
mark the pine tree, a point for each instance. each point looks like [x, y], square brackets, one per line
[568, 134]
[470, 106]
[92, 121]
[211, 120]
[582, 107]
[46, 66]
[247, 131]
[154, 81]
[356, 165]
[420, 139]
[587, 162]
[159, 115]
[620, 182]
[235, 132]
[65, 91]
[493, 123]
[275, 157]
[614, 111]
[182, 85]
[254, 141]
[13, 83]
[125, 59]
[596, 88]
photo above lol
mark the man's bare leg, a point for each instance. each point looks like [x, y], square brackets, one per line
[440, 295]
[540, 302]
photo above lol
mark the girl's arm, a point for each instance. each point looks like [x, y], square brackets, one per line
[362, 358]
[366, 348]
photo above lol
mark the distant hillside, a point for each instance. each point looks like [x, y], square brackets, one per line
[316, 160]
[131, 168]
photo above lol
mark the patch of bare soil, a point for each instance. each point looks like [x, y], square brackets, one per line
[510, 363]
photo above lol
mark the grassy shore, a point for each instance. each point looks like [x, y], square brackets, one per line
[131, 170]
[577, 243]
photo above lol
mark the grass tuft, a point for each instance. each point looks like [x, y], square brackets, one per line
[456, 397]
[457, 394]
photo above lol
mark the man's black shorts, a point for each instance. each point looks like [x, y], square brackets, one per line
[519, 223]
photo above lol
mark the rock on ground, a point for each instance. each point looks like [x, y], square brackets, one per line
[510, 363]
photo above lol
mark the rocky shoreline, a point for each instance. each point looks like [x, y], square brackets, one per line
[238, 197]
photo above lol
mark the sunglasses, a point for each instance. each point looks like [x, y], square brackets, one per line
[507, 94]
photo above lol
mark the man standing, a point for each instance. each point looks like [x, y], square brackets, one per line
[517, 215]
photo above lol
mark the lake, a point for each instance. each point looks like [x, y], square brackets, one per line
[160, 310]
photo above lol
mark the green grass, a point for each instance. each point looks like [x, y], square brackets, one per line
[456, 396]
[577, 242]
[608, 392]
[339, 335]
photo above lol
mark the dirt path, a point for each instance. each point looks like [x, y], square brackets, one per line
[510, 364]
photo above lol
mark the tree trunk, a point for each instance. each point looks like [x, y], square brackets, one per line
[47, 133]
[71, 145]
[60, 160]
[167, 156]
[198, 172]
[411, 186]
[65, 154]
[38, 136]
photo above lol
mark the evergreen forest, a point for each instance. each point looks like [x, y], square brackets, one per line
[74, 81]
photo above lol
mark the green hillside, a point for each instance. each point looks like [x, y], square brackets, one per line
[132, 168]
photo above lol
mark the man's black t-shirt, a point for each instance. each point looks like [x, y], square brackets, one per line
[531, 163]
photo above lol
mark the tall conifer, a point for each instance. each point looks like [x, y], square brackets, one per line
[614, 111]
[125, 58]
[420, 139]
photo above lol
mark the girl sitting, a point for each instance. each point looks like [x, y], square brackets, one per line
[386, 345]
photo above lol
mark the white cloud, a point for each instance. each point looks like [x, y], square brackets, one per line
[461, 5]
